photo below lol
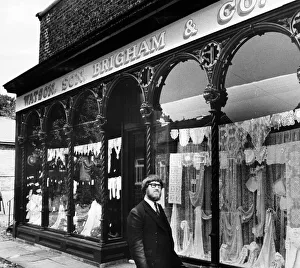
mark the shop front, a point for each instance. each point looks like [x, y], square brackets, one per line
[210, 103]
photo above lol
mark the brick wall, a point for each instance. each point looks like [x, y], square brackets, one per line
[70, 20]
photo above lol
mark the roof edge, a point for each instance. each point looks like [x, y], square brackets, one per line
[41, 14]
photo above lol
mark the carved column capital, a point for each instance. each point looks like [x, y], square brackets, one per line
[21, 140]
[101, 120]
[42, 136]
[215, 97]
[146, 110]
[67, 128]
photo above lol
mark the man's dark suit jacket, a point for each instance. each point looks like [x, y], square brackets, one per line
[150, 238]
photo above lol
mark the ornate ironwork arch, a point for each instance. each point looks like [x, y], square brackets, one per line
[48, 111]
[162, 73]
[237, 41]
[25, 121]
[76, 101]
[110, 88]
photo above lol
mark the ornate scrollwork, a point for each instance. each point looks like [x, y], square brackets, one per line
[101, 120]
[145, 76]
[146, 109]
[209, 54]
[214, 96]
[67, 128]
[100, 90]
[42, 136]
[286, 22]
[21, 140]
[295, 25]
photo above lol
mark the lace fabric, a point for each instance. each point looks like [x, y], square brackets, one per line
[292, 247]
[267, 253]
[232, 234]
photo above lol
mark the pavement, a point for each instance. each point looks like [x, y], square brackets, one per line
[18, 253]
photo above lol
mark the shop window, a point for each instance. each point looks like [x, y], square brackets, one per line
[86, 179]
[259, 153]
[33, 182]
[114, 187]
[182, 155]
[57, 180]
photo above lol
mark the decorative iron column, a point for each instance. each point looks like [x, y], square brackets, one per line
[217, 99]
[208, 57]
[101, 121]
[145, 79]
[68, 131]
[43, 179]
[146, 111]
[215, 230]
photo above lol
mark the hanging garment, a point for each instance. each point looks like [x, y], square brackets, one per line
[198, 250]
[260, 206]
[187, 243]
[175, 228]
[232, 234]
[94, 218]
[224, 253]
[114, 186]
[292, 247]
[197, 200]
[243, 255]
[253, 254]
[267, 252]
[85, 166]
[34, 208]
[61, 218]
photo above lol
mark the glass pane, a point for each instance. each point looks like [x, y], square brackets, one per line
[33, 182]
[87, 186]
[258, 151]
[114, 187]
[57, 181]
[182, 158]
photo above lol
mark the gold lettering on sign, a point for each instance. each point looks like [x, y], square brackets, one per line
[39, 94]
[73, 80]
[241, 7]
[142, 49]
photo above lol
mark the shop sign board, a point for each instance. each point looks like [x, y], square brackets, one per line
[211, 19]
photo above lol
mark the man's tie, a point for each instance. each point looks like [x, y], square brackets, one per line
[156, 207]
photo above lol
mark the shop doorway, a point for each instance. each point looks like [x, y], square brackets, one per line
[125, 127]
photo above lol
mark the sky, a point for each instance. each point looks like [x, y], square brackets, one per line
[20, 35]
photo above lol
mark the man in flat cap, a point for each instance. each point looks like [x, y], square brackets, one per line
[149, 233]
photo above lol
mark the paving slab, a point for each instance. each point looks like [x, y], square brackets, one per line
[22, 254]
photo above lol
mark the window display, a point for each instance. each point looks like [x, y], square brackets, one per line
[57, 157]
[33, 183]
[86, 179]
[114, 187]
[258, 156]
[182, 159]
